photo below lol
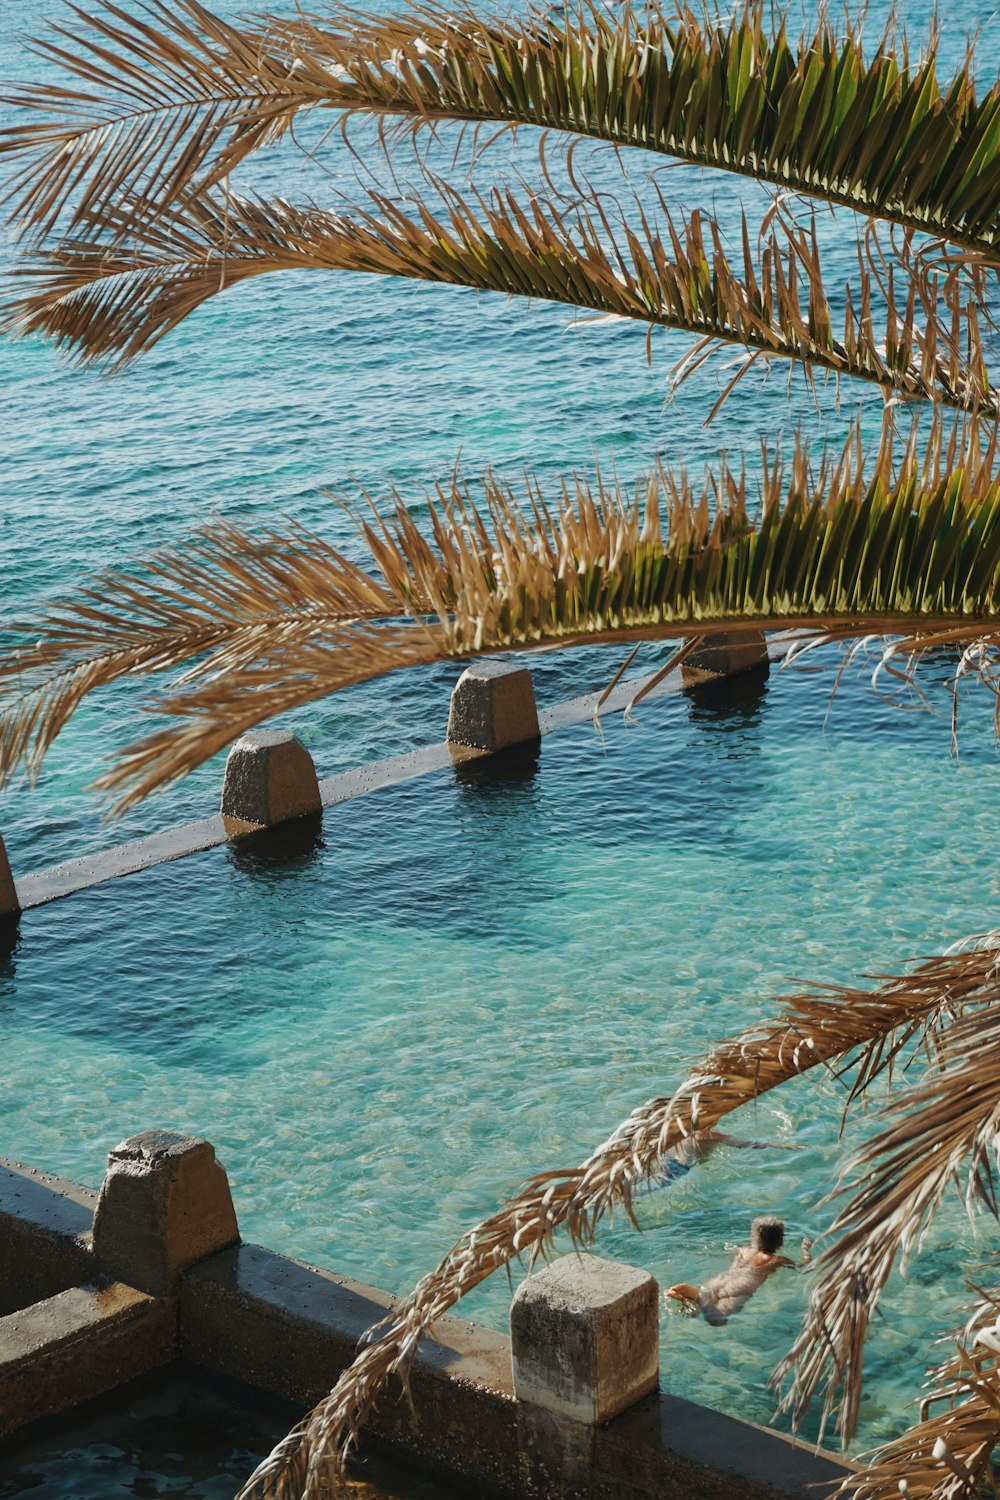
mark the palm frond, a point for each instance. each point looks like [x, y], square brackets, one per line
[258, 625]
[938, 1132]
[112, 295]
[222, 603]
[176, 97]
[946, 1456]
[864, 1030]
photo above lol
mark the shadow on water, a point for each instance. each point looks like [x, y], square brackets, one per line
[517, 765]
[730, 705]
[10, 938]
[278, 853]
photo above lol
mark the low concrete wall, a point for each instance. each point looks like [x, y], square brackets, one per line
[45, 1235]
[289, 1330]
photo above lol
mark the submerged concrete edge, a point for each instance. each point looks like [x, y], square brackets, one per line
[288, 1330]
[66, 879]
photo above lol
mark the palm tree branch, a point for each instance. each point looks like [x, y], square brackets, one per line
[177, 97]
[111, 299]
[257, 625]
[866, 1028]
[895, 1183]
[945, 1455]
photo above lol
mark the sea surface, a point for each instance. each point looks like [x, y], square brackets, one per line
[466, 979]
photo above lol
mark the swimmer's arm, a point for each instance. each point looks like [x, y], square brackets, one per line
[718, 1138]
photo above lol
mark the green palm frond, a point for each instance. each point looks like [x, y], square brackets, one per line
[858, 1030]
[941, 1131]
[156, 104]
[257, 626]
[113, 299]
[946, 1456]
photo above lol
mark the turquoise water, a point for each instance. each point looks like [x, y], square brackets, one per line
[464, 980]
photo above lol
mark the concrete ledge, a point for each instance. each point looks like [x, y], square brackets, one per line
[66, 879]
[45, 1235]
[77, 1344]
[290, 1330]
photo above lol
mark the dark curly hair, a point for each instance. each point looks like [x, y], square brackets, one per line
[767, 1235]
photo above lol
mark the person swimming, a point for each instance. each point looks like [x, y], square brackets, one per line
[719, 1298]
[679, 1160]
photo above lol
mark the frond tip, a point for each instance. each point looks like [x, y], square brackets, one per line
[947, 1454]
[256, 626]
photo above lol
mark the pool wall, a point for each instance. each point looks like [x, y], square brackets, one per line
[75, 1325]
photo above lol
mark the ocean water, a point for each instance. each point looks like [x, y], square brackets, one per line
[465, 980]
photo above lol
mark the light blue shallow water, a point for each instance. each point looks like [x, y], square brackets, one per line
[466, 981]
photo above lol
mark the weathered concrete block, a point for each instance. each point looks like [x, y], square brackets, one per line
[585, 1338]
[77, 1345]
[164, 1203]
[493, 706]
[270, 777]
[726, 655]
[9, 904]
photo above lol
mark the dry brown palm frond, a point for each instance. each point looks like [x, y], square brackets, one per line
[111, 295]
[258, 625]
[934, 1134]
[154, 104]
[866, 1030]
[225, 602]
[946, 1455]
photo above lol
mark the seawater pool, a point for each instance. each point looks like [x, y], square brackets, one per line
[467, 979]
[175, 1437]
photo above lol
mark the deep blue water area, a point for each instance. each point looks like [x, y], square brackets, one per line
[471, 976]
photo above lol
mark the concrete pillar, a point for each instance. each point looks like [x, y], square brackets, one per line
[493, 707]
[9, 904]
[164, 1203]
[270, 778]
[726, 655]
[585, 1338]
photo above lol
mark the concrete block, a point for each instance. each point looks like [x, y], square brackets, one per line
[585, 1338]
[9, 904]
[270, 777]
[492, 707]
[45, 1225]
[77, 1345]
[164, 1203]
[726, 655]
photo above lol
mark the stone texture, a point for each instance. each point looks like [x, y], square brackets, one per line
[585, 1338]
[289, 1329]
[9, 904]
[270, 777]
[492, 707]
[45, 1225]
[726, 655]
[76, 1345]
[164, 1203]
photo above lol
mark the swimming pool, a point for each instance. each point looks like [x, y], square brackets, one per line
[465, 979]
[468, 978]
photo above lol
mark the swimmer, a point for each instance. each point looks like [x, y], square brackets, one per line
[679, 1160]
[722, 1296]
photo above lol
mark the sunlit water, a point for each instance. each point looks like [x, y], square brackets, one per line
[465, 980]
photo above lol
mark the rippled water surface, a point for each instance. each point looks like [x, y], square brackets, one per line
[463, 980]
